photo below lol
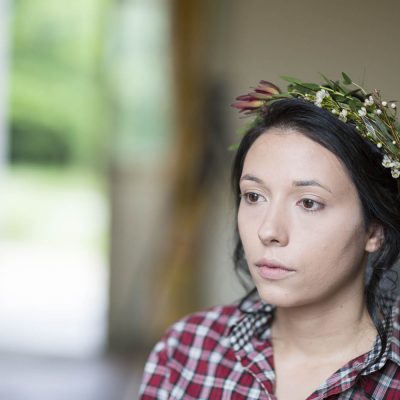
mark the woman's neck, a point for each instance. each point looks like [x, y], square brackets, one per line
[322, 328]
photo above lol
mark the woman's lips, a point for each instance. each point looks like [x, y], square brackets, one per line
[273, 270]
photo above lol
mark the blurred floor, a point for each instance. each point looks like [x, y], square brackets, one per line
[45, 378]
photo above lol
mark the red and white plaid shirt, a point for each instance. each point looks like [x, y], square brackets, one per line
[226, 353]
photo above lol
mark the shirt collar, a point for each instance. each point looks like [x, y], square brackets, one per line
[254, 320]
[394, 352]
[392, 347]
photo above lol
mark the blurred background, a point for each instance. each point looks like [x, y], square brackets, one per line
[116, 216]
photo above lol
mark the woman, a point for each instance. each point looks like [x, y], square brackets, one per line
[315, 203]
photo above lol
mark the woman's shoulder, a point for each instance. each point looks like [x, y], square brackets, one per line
[192, 346]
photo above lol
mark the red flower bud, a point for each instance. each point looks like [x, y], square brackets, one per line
[250, 103]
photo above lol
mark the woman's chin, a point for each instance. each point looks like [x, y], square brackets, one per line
[277, 296]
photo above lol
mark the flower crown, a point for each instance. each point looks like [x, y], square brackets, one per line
[374, 118]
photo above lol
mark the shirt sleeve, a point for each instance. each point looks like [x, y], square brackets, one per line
[155, 383]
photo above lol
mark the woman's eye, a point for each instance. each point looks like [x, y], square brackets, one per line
[252, 197]
[311, 205]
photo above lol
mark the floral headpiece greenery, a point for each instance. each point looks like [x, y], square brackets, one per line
[372, 116]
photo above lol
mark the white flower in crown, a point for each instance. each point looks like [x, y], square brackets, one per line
[321, 94]
[387, 162]
[362, 112]
[369, 101]
[319, 97]
[396, 173]
[343, 115]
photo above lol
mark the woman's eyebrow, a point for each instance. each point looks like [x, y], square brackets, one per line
[252, 178]
[310, 182]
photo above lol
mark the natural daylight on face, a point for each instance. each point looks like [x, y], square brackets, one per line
[300, 221]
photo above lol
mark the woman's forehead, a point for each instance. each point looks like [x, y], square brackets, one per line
[289, 155]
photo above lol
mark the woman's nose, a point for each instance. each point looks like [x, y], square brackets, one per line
[273, 229]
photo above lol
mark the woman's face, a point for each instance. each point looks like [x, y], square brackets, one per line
[300, 222]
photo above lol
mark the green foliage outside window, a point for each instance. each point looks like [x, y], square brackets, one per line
[57, 100]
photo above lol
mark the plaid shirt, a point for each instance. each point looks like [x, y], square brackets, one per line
[226, 353]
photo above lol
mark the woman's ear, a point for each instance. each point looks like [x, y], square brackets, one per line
[375, 237]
